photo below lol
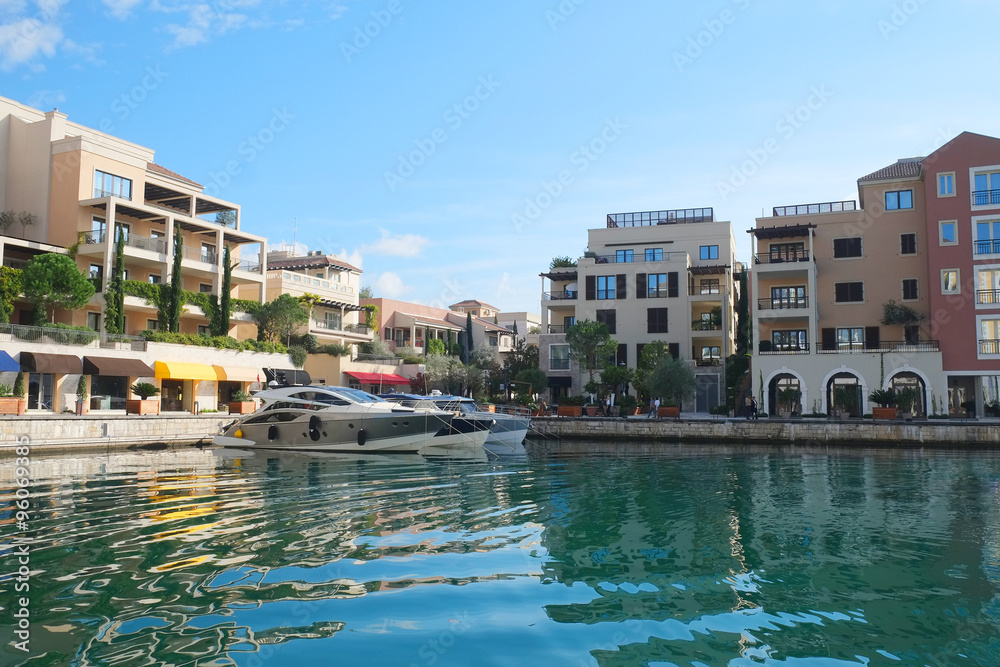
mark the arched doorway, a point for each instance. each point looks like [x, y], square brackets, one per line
[784, 395]
[844, 395]
[911, 392]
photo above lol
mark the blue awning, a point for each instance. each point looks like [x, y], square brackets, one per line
[7, 363]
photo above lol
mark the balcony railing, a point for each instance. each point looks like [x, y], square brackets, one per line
[641, 257]
[985, 197]
[200, 255]
[990, 346]
[671, 217]
[94, 237]
[792, 349]
[564, 295]
[557, 328]
[71, 337]
[707, 362]
[988, 247]
[882, 346]
[705, 290]
[783, 304]
[559, 364]
[823, 207]
[144, 243]
[988, 296]
[392, 360]
[783, 257]
[250, 265]
[698, 325]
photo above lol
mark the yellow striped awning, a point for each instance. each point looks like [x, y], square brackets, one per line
[237, 373]
[180, 370]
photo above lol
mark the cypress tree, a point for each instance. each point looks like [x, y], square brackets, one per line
[175, 298]
[114, 310]
[468, 338]
[227, 288]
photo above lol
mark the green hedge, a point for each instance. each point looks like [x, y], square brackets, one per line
[219, 342]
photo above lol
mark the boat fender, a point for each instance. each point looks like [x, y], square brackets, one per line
[314, 428]
[272, 433]
[362, 437]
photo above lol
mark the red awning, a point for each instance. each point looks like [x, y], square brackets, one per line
[378, 378]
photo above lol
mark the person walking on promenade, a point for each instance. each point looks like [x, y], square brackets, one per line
[607, 405]
[747, 406]
[652, 409]
[753, 408]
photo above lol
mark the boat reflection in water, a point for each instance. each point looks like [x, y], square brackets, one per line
[510, 425]
[340, 419]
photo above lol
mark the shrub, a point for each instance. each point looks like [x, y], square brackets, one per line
[335, 350]
[298, 355]
[240, 396]
[70, 335]
[145, 389]
[309, 342]
[885, 398]
[19, 385]
[219, 342]
[6, 391]
[81, 388]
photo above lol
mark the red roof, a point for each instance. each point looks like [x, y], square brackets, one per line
[378, 378]
[152, 166]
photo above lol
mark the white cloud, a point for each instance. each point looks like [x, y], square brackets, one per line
[400, 245]
[46, 99]
[503, 287]
[25, 39]
[120, 8]
[353, 258]
[391, 286]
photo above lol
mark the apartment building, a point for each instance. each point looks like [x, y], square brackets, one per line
[821, 277]
[664, 276]
[526, 326]
[84, 188]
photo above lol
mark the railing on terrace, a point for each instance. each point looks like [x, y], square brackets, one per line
[379, 359]
[822, 207]
[707, 362]
[640, 257]
[93, 238]
[73, 337]
[988, 296]
[783, 304]
[989, 346]
[670, 217]
[144, 243]
[336, 326]
[780, 258]
[309, 281]
[988, 247]
[698, 325]
[794, 349]
[882, 346]
[985, 197]
[200, 254]
[557, 328]
[564, 295]
[558, 364]
[704, 290]
[250, 265]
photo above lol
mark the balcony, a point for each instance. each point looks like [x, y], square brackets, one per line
[989, 346]
[564, 295]
[249, 265]
[782, 257]
[558, 364]
[810, 209]
[200, 254]
[557, 328]
[143, 243]
[71, 337]
[783, 304]
[650, 218]
[882, 346]
[325, 325]
[987, 247]
[985, 197]
[989, 297]
[636, 259]
[767, 348]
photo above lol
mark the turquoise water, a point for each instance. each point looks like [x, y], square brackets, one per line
[693, 556]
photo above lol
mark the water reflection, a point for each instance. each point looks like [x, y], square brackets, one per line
[693, 556]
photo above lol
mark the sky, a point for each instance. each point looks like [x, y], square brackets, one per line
[451, 149]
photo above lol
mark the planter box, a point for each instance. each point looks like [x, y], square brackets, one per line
[593, 410]
[669, 412]
[569, 411]
[11, 405]
[884, 413]
[242, 407]
[150, 406]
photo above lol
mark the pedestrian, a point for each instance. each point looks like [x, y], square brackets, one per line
[656, 408]
[753, 408]
[607, 405]
[747, 406]
[652, 409]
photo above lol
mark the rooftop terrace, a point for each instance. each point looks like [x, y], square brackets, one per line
[809, 209]
[649, 218]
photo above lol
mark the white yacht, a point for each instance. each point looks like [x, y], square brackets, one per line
[510, 425]
[341, 419]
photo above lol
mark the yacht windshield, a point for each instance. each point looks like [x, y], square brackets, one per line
[356, 395]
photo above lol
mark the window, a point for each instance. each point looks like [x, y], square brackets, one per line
[950, 282]
[97, 226]
[852, 338]
[203, 330]
[711, 353]
[987, 237]
[96, 271]
[910, 289]
[788, 297]
[388, 334]
[946, 184]
[710, 252]
[332, 320]
[654, 254]
[609, 318]
[988, 287]
[122, 228]
[154, 279]
[153, 325]
[789, 340]
[710, 286]
[208, 253]
[569, 321]
[109, 185]
[94, 321]
[849, 292]
[559, 357]
[656, 320]
[656, 285]
[849, 247]
[948, 232]
[986, 188]
[787, 252]
[204, 288]
[907, 244]
[606, 287]
[623, 256]
[899, 199]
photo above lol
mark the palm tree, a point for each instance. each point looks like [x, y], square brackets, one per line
[310, 301]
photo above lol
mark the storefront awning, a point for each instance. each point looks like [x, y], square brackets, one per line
[51, 363]
[180, 370]
[116, 367]
[7, 363]
[237, 373]
[378, 378]
[287, 376]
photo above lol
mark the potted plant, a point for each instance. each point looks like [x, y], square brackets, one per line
[844, 398]
[241, 403]
[788, 400]
[629, 405]
[81, 395]
[145, 405]
[571, 406]
[669, 409]
[886, 400]
[674, 380]
[10, 402]
[905, 399]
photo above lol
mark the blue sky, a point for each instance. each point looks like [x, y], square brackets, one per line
[453, 148]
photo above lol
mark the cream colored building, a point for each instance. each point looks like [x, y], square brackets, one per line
[662, 276]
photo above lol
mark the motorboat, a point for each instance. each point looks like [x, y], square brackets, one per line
[342, 419]
[510, 425]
